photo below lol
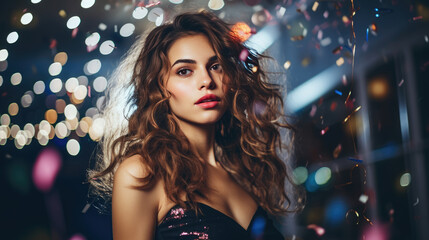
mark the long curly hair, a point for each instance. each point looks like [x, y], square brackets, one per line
[248, 139]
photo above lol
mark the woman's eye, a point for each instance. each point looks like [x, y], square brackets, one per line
[216, 67]
[183, 72]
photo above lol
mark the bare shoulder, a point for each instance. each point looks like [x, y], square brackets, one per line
[131, 169]
[134, 211]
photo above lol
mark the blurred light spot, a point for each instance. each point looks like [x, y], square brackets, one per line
[14, 130]
[83, 80]
[77, 236]
[315, 6]
[107, 47]
[1, 81]
[12, 37]
[155, 13]
[55, 85]
[72, 123]
[91, 112]
[62, 13]
[216, 4]
[51, 116]
[176, 1]
[405, 179]
[13, 109]
[26, 18]
[88, 121]
[61, 130]
[100, 84]
[87, 3]
[127, 30]
[73, 147]
[335, 211]
[378, 88]
[80, 129]
[322, 175]
[61, 57]
[70, 111]
[258, 227]
[311, 184]
[3, 54]
[39, 87]
[35, 1]
[80, 92]
[340, 61]
[43, 139]
[16, 78]
[27, 99]
[60, 104]
[140, 12]
[20, 139]
[5, 119]
[3, 67]
[300, 175]
[107, 7]
[92, 67]
[30, 129]
[71, 84]
[46, 168]
[325, 42]
[93, 39]
[55, 69]
[287, 64]
[97, 129]
[73, 22]
[102, 26]
[363, 198]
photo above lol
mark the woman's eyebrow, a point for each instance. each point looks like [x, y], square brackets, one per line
[211, 59]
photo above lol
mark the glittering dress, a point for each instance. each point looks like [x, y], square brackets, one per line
[183, 224]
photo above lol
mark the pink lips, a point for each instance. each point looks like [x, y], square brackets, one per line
[208, 101]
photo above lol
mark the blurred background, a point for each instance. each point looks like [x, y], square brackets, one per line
[357, 75]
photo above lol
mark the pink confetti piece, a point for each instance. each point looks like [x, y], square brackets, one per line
[53, 44]
[319, 230]
[91, 48]
[74, 32]
[313, 110]
[401, 82]
[244, 54]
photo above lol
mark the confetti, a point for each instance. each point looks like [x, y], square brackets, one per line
[297, 38]
[338, 92]
[319, 230]
[53, 44]
[401, 82]
[337, 151]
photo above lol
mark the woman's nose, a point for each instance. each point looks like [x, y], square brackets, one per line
[206, 80]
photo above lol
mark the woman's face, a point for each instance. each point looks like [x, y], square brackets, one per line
[195, 81]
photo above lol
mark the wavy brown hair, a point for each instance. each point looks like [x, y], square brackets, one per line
[247, 139]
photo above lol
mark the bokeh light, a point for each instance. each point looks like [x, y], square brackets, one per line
[5, 119]
[300, 175]
[55, 69]
[87, 3]
[16, 78]
[92, 67]
[73, 147]
[100, 84]
[39, 87]
[140, 12]
[46, 168]
[61, 57]
[55, 85]
[51, 116]
[13, 109]
[26, 18]
[107, 47]
[3, 54]
[127, 30]
[216, 4]
[73, 22]
[70, 111]
[405, 180]
[71, 84]
[322, 175]
[12, 37]
[93, 39]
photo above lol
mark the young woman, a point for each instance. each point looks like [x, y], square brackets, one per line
[197, 155]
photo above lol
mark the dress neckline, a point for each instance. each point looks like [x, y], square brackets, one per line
[258, 209]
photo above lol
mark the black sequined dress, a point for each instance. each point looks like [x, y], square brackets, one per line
[183, 224]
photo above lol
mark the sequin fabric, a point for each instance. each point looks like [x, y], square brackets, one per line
[183, 224]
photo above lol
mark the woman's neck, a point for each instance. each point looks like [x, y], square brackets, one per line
[201, 138]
